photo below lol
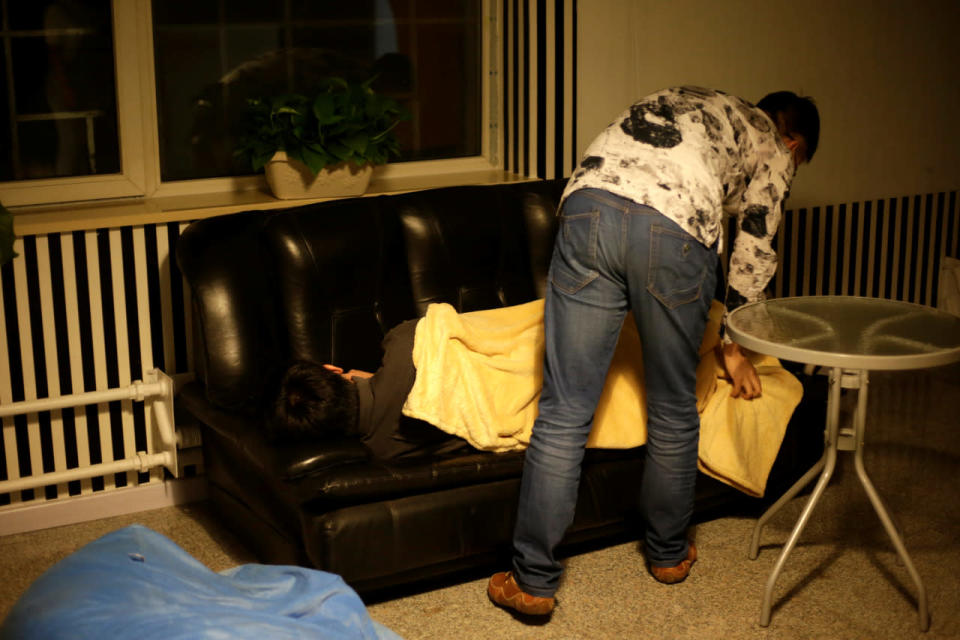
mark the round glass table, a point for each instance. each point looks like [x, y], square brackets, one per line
[852, 336]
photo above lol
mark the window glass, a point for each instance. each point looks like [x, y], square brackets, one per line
[212, 55]
[59, 113]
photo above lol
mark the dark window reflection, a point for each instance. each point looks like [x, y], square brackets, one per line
[212, 55]
[59, 114]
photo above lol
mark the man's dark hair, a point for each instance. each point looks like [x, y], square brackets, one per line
[312, 402]
[794, 115]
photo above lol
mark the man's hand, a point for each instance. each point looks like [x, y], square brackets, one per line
[743, 376]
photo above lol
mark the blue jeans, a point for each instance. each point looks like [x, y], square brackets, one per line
[613, 255]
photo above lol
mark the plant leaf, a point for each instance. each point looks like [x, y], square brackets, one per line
[314, 159]
[340, 151]
[325, 109]
[357, 143]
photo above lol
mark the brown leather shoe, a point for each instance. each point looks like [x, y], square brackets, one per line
[679, 573]
[504, 591]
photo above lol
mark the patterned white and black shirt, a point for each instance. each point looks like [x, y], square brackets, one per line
[694, 154]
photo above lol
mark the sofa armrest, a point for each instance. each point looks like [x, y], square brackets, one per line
[279, 462]
[222, 261]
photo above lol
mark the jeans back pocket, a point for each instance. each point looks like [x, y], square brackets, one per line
[679, 264]
[574, 263]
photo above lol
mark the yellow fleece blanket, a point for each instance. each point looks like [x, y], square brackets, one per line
[479, 376]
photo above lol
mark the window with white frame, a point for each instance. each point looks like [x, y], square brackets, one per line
[125, 98]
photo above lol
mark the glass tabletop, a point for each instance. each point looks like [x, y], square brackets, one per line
[848, 331]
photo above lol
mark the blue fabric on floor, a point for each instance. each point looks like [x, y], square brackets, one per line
[135, 583]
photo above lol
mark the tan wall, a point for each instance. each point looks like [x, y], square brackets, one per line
[885, 74]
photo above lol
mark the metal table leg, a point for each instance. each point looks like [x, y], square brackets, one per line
[878, 506]
[851, 441]
[784, 499]
[828, 464]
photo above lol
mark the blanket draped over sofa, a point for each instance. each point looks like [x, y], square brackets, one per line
[479, 376]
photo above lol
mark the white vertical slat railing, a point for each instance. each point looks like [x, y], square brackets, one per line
[85, 312]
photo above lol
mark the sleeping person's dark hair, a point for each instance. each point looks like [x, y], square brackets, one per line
[312, 402]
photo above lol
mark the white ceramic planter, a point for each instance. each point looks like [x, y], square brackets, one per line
[291, 179]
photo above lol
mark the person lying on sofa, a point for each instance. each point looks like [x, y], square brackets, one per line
[314, 400]
[450, 381]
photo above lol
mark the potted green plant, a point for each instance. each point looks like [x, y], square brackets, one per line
[6, 236]
[325, 144]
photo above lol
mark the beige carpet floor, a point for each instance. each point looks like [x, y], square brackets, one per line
[843, 580]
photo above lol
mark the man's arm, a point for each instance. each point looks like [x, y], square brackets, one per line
[740, 370]
[753, 260]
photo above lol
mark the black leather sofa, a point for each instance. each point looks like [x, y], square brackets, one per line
[326, 281]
